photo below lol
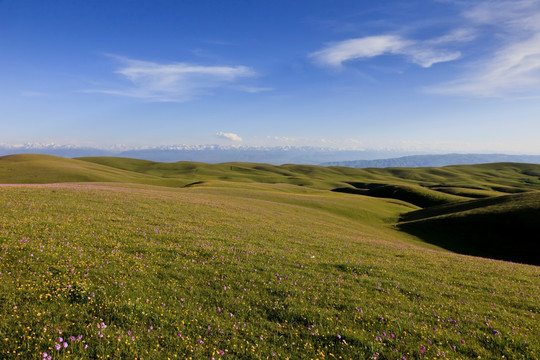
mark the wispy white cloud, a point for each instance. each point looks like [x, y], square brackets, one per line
[352, 49]
[454, 36]
[518, 14]
[229, 136]
[174, 82]
[513, 67]
[507, 31]
[417, 52]
[425, 56]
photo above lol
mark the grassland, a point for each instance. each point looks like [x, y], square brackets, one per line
[218, 263]
[423, 188]
[462, 180]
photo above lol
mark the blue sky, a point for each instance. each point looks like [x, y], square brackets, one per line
[431, 76]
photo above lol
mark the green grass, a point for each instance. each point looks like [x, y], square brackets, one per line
[302, 276]
[256, 261]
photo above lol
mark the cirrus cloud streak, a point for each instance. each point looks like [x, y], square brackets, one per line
[416, 52]
[514, 66]
[173, 82]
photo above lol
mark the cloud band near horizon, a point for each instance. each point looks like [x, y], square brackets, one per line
[229, 136]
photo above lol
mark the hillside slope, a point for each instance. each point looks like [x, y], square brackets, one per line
[467, 180]
[43, 169]
[504, 227]
[445, 191]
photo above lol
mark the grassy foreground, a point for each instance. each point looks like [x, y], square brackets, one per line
[249, 271]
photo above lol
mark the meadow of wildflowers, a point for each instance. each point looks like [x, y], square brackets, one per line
[271, 271]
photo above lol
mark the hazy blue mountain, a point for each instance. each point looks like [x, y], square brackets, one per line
[209, 153]
[271, 155]
[437, 160]
[56, 150]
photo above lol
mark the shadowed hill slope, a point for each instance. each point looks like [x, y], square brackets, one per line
[413, 194]
[504, 227]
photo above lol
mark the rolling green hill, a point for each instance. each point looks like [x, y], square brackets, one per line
[43, 169]
[411, 188]
[121, 258]
[499, 177]
[464, 180]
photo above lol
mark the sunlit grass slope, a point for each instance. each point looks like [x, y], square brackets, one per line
[503, 227]
[41, 169]
[319, 177]
[244, 271]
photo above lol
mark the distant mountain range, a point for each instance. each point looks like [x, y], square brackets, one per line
[437, 160]
[270, 155]
[207, 153]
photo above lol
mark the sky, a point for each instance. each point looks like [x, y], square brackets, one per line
[426, 75]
